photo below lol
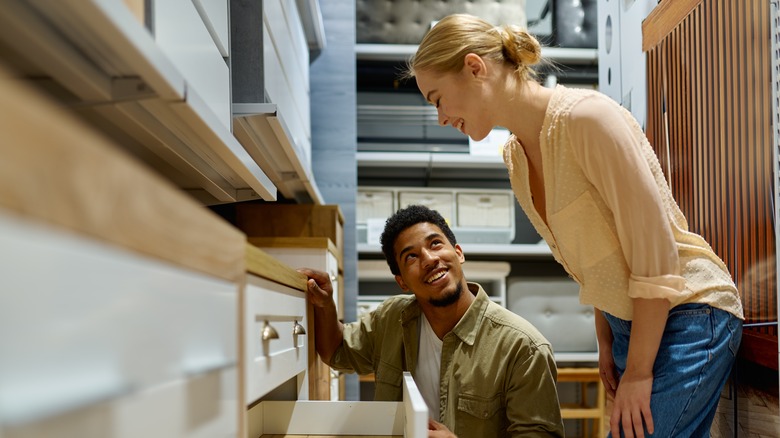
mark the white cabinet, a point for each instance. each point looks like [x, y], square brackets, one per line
[196, 43]
[119, 297]
[318, 253]
[270, 78]
[275, 339]
[164, 97]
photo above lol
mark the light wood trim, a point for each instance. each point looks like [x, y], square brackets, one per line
[294, 242]
[665, 17]
[262, 264]
[59, 171]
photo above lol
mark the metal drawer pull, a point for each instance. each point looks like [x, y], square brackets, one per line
[298, 329]
[269, 332]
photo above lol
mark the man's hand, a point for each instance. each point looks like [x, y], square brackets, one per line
[319, 287]
[438, 430]
[328, 331]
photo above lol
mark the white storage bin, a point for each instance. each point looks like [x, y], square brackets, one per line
[494, 210]
[374, 204]
[439, 201]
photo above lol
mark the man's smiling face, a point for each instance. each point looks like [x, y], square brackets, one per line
[430, 265]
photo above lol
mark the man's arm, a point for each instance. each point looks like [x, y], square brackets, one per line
[533, 409]
[328, 330]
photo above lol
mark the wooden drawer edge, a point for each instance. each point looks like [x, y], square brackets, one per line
[260, 263]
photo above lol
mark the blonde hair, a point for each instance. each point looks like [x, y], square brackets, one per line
[445, 46]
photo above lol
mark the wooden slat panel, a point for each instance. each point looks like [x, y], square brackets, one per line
[709, 61]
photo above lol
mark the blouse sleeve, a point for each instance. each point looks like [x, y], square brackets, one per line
[610, 153]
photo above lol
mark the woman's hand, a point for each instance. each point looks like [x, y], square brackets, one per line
[632, 405]
[438, 430]
[607, 371]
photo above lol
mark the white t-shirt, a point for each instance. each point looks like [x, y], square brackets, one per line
[429, 367]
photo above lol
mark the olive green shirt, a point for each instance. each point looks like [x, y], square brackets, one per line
[497, 371]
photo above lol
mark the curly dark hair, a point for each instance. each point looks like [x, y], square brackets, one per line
[405, 218]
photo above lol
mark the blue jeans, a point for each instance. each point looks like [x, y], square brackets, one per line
[697, 351]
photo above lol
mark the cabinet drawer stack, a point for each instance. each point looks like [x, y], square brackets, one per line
[119, 303]
[274, 328]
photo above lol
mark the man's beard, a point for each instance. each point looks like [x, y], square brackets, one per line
[448, 299]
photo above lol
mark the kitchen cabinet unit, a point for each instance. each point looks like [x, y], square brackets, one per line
[317, 253]
[119, 304]
[274, 328]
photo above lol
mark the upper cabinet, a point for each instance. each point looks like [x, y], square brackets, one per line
[270, 72]
[155, 76]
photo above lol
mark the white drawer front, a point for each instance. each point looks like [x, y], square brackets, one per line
[271, 362]
[81, 321]
[203, 406]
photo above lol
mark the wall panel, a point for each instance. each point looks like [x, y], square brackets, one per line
[710, 121]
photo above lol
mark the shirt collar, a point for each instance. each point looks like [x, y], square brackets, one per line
[466, 328]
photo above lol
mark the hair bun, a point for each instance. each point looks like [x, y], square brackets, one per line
[519, 47]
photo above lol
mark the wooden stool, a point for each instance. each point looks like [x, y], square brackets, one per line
[582, 410]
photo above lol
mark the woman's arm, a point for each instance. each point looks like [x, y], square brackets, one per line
[611, 152]
[632, 399]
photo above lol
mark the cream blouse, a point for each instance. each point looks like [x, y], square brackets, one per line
[611, 219]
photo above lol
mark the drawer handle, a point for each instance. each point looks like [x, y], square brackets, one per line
[269, 332]
[298, 329]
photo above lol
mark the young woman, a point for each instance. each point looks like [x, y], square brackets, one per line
[669, 317]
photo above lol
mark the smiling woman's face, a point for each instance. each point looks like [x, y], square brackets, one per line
[456, 98]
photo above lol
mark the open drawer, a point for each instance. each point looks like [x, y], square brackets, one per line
[408, 418]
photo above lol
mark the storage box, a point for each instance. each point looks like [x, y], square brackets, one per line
[475, 215]
[435, 200]
[374, 204]
[485, 210]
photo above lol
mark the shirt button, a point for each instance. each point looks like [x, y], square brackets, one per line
[485, 414]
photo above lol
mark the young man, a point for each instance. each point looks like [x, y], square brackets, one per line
[482, 370]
